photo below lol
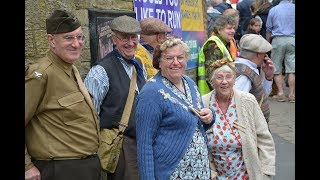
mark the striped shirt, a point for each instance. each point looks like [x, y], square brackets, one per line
[97, 82]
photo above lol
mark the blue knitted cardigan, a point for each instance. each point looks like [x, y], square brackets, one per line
[164, 127]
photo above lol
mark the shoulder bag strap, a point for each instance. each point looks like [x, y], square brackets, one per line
[127, 109]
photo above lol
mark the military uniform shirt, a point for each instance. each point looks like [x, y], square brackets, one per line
[61, 121]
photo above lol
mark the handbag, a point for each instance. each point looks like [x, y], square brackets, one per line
[111, 139]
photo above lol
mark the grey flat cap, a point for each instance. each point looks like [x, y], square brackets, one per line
[125, 24]
[255, 43]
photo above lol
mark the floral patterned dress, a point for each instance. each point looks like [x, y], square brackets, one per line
[195, 163]
[224, 142]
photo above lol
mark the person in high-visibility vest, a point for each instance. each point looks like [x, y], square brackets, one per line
[215, 48]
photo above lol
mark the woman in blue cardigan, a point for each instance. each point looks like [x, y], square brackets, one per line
[171, 120]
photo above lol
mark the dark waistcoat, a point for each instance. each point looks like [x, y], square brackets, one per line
[113, 104]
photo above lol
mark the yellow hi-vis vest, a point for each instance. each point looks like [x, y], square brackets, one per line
[146, 59]
[202, 83]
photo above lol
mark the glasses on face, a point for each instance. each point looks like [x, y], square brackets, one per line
[70, 38]
[170, 59]
[228, 77]
[126, 39]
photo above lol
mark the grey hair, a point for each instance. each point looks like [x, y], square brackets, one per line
[168, 42]
[247, 54]
[224, 68]
[222, 21]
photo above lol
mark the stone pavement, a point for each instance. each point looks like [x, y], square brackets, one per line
[282, 119]
[285, 159]
[282, 127]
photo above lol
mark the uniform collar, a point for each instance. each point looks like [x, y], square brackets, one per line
[67, 67]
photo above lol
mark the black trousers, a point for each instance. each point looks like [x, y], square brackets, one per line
[75, 169]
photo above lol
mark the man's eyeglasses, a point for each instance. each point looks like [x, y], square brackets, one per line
[70, 38]
[126, 39]
[170, 59]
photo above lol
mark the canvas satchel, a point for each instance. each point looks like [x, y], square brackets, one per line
[111, 139]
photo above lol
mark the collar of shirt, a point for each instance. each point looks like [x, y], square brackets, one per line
[227, 44]
[67, 67]
[247, 62]
[132, 61]
[147, 46]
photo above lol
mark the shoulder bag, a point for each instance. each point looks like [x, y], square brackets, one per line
[111, 139]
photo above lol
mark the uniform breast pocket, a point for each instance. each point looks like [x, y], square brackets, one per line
[73, 108]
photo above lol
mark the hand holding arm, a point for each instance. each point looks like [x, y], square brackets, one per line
[206, 115]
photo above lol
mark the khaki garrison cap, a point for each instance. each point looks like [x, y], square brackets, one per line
[255, 43]
[61, 21]
[152, 26]
[125, 24]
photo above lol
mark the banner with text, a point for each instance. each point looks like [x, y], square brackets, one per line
[166, 10]
[192, 28]
[185, 17]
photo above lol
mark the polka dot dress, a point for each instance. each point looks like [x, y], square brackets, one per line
[225, 143]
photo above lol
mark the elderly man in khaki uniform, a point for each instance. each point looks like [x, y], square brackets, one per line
[61, 124]
[108, 82]
[153, 31]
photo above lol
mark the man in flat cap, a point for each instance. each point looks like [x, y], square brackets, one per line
[61, 123]
[108, 82]
[153, 31]
[253, 54]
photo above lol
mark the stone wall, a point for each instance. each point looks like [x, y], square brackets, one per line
[36, 11]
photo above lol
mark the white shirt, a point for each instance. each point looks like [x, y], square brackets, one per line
[243, 83]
